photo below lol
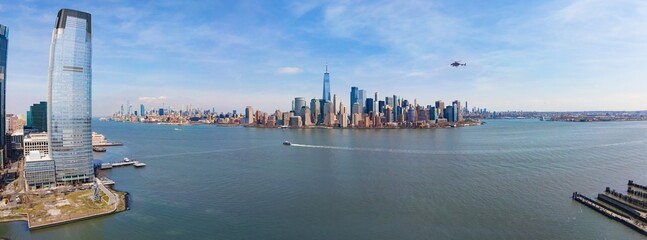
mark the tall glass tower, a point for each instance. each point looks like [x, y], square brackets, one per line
[4, 40]
[70, 97]
[326, 86]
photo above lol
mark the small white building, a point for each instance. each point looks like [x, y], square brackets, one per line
[36, 142]
[39, 170]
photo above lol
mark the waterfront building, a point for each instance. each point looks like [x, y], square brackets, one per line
[305, 116]
[299, 102]
[70, 97]
[380, 106]
[36, 142]
[37, 117]
[433, 113]
[362, 100]
[357, 108]
[440, 106]
[375, 100]
[286, 118]
[40, 171]
[142, 110]
[334, 103]
[355, 118]
[422, 114]
[315, 108]
[354, 98]
[329, 114]
[249, 115]
[411, 115]
[4, 41]
[369, 106]
[458, 111]
[343, 116]
[388, 114]
[326, 86]
[449, 114]
[295, 121]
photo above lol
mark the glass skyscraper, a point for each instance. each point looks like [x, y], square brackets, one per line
[4, 40]
[326, 86]
[70, 97]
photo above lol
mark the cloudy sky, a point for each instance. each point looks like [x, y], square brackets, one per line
[520, 55]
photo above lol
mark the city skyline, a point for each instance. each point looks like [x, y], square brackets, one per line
[230, 55]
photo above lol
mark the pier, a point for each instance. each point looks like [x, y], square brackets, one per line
[626, 209]
[105, 166]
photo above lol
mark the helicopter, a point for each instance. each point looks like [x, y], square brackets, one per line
[458, 63]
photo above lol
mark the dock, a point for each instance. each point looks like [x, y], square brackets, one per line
[137, 164]
[626, 209]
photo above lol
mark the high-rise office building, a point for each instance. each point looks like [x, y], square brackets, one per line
[315, 108]
[70, 97]
[440, 106]
[354, 97]
[380, 106]
[369, 106]
[37, 117]
[362, 101]
[326, 85]
[142, 110]
[4, 41]
[299, 102]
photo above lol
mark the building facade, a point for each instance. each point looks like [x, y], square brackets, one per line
[70, 97]
[37, 117]
[35, 142]
[40, 171]
[326, 85]
[4, 41]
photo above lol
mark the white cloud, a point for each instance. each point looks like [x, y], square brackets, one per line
[289, 70]
[152, 99]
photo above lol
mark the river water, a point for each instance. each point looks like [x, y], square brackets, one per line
[507, 179]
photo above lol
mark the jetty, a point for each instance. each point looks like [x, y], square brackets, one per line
[628, 209]
[125, 162]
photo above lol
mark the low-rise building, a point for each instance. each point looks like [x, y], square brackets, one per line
[39, 170]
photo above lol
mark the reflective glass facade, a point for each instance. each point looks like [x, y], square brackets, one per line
[70, 99]
[326, 86]
[4, 40]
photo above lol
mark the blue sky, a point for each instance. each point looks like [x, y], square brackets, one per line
[520, 55]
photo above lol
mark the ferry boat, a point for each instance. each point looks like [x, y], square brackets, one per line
[287, 143]
[126, 159]
[98, 149]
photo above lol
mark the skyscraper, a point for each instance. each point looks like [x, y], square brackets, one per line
[326, 86]
[362, 101]
[38, 115]
[4, 41]
[142, 110]
[354, 96]
[299, 102]
[70, 97]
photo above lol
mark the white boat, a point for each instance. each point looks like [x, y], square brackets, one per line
[126, 159]
[139, 164]
[287, 143]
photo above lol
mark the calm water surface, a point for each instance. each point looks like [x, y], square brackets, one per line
[508, 179]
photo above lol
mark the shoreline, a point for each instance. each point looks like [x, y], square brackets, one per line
[120, 206]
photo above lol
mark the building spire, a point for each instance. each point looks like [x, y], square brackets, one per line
[326, 67]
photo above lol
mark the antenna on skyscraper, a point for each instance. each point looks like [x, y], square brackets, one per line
[326, 67]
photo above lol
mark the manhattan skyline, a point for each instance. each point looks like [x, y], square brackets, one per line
[537, 56]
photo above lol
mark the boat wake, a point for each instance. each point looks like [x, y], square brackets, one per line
[467, 151]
